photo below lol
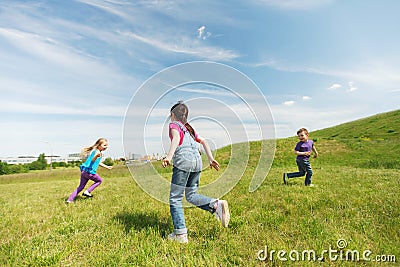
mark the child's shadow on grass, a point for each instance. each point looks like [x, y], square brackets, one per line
[77, 199]
[141, 220]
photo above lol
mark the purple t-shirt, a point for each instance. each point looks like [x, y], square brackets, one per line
[304, 147]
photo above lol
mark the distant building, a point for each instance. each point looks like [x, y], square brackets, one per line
[55, 158]
[74, 157]
[132, 156]
[30, 159]
[145, 158]
[19, 160]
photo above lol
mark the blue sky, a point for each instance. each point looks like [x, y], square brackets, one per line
[68, 69]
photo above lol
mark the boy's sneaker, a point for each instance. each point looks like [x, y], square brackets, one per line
[285, 178]
[180, 238]
[311, 185]
[222, 212]
[87, 194]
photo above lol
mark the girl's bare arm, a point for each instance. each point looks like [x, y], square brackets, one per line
[172, 147]
[105, 166]
[213, 163]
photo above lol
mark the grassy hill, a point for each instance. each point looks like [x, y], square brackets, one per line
[355, 202]
[372, 142]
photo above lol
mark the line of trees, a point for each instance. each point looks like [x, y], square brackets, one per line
[39, 164]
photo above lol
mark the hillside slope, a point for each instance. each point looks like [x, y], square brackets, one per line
[372, 142]
[383, 126]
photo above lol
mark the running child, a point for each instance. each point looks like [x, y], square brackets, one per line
[303, 151]
[89, 169]
[187, 166]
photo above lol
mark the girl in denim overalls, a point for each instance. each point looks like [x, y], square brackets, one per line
[187, 167]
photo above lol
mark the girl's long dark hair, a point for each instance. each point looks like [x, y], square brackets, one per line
[181, 113]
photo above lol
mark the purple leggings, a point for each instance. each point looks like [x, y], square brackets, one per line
[85, 177]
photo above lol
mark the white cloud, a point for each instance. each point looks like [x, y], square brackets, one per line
[184, 45]
[207, 92]
[335, 86]
[201, 31]
[351, 87]
[167, 39]
[107, 7]
[372, 72]
[293, 4]
[131, 15]
[289, 103]
[60, 55]
[202, 34]
[306, 97]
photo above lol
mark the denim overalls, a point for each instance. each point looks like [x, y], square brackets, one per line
[187, 156]
[185, 180]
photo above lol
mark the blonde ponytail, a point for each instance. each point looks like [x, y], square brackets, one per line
[85, 151]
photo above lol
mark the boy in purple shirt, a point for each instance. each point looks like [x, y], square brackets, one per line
[303, 151]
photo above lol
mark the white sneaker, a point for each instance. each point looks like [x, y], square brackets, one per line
[222, 212]
[180, 238]
[87, 194]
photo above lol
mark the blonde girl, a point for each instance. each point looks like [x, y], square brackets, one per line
[89, 168]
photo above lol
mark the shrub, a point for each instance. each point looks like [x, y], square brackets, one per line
[4, 168]
[109, 162]
[17, 168]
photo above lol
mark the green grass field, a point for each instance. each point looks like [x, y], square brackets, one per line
[356, 198]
